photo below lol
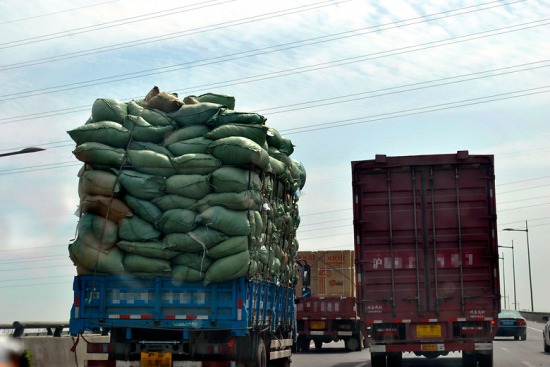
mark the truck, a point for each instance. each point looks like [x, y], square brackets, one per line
[425, 237]
[326, 304]
[158, 322]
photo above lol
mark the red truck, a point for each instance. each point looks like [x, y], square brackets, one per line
[326, 306]
[426, 256]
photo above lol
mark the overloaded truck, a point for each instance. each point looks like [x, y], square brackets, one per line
[326, 309]
[426, 256]
[185, 252]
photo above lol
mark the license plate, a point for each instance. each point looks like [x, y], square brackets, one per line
[507, 323]
[428, 331]
[318, 325]
[156, 359]
[432, 347]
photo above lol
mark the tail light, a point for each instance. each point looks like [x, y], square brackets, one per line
[521, 322]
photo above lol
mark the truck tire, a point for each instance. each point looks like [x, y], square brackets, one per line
[354, 344]
[318, 344]
[378, 359]
[303, 344]
[485, 360]
[395, 359]
[468, 359]
[261, 355]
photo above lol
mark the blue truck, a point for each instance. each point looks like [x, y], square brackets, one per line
[157, 322]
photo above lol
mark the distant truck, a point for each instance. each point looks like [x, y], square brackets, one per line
[326, 305]
[426, 256]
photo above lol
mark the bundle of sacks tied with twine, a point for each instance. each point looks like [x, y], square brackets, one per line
[189, 189]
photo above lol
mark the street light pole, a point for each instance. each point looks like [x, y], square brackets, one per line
[503, 279]
[526, 230]
[23, 151]
[513, 273]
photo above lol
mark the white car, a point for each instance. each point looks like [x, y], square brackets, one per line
[546, 334]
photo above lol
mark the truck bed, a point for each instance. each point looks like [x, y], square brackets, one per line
[105, 302]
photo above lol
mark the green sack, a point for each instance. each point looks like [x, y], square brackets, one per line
[108, 109]
[152, 163]
[186, 274]
[157, 118]
[227, 116]
[229, 222]
[142, 185]
[196, 241]
[141, 130]
[190, 146]
[274, 138]
[137, 263]
[256, 133]
[234, 179]
[192, 186]
[228, 268]
[137, 229]
[244, 200]
[196, 164]
[197, 261]
[105, 132]
[151, 249]
[109, 262]
[143, 208]
[173, 201]
[195, 114]
[97, 232]
[176, 221]
[99, 182]
[239, 151]
[221, 99]
[99, 154]
[145, 145]
[231, 246]
[185, 133]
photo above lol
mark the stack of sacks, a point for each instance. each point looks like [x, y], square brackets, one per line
[189, 189]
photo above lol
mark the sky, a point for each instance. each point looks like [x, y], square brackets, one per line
[343, 79]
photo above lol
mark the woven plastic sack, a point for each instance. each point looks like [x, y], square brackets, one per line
[197, 261]
[109, 109]
[145, 145]
[173, 201]
[228, 268]
[229, 222]
[190, 146]
[195, 114]
[143, 208]
[142, 130]
[105, 132]
[185, 133]
[141, 185]
[184, 273]
[109, 262]
[106, 207]
[99, 154]
[97, 232]
[244, 200]
[152, 163]
[196, 164]
[274, 138]
[137, 229]
[176, 221]
[137, 263]
[227, 116]
[99, 182]
[239, 151]
[221, 99]
[192, 186]
[151, 249]
[231, 246]
[163, 101]
[256, 133]
[234, 179]
[157, 118]
[199, 240]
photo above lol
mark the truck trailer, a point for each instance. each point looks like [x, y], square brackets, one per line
[326, 305]
[426, 256]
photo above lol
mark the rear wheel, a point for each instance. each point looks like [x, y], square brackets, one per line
[524, 337]
[468, 359]
[355, 343]
[485, 360]
[261, 355]
[318, 344]
[546, 347]
[395, 359]
[378, 359]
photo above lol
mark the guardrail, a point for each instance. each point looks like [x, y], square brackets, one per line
[534, 316]
[50, 328]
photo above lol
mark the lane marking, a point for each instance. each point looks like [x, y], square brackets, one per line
[506, 350]
[527, 364]
[532, 328]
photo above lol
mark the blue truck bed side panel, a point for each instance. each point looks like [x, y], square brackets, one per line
[114, 301]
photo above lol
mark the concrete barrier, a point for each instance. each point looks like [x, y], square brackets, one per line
[534, 316]
[47, 351]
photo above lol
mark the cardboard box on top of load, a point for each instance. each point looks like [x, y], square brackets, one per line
[332, 273]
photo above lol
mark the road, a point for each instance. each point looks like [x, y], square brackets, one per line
[507, 353]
